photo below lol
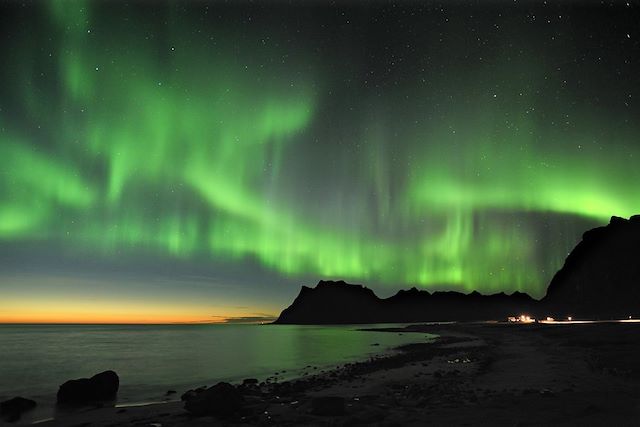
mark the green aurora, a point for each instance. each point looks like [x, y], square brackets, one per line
[123, 136]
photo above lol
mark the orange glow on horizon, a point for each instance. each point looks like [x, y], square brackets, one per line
[102, 318]
[115, 312]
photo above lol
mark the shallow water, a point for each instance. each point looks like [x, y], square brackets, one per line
[150, 359]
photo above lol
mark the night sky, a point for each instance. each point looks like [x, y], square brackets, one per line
[199, 161]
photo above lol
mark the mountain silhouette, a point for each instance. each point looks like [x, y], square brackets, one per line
[343, 303]
[333, 303]
[600, 279]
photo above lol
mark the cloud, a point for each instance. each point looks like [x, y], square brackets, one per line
[258, 318]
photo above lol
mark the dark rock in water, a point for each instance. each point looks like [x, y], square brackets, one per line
[188, 395]
[100, 387]
[250, 381]
[221, 400]
[12, 409]
[600, 276]
[328, 405]
[170, 392]
[192, 393]
[105, 384]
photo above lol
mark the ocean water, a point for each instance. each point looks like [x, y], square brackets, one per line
[150, 359]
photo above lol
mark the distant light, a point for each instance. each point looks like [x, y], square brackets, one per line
[569, 318]
[525, 319]
[549, 319]
[629, 317]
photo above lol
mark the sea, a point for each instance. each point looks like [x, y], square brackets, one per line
[153, 359]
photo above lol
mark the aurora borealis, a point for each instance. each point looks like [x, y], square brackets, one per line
[190, 152]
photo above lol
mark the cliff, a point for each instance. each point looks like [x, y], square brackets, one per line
[601, 276]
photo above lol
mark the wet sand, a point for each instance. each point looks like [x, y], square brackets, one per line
[474, 374]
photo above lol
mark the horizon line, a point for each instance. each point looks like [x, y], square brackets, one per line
[139, 323]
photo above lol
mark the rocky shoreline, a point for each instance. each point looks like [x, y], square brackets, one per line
[473, 374]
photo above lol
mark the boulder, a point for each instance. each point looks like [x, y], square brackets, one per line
[188, 395]
[328, 405]
[219, 400]
[100, 387]
[191, 393]
[12, 409]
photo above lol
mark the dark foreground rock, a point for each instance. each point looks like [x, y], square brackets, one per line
[12, 409]
[101, 387]
[220, 400]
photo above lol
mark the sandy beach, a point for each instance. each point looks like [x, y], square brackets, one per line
[474, 374]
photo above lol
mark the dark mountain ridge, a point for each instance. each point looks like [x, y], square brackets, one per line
[337, 302]
[600, 279]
